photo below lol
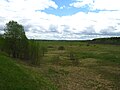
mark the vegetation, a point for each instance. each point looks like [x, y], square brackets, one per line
[16, 43]
[74, 59]
[112, 40]
[61, 48]
[36, 52]
[1, 42]
[16, 76]
[57, 65]
[81, 66]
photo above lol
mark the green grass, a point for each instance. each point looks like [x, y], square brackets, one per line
[14, 76]
[98, 68]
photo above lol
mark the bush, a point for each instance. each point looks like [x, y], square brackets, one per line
[61, 48]
[50, 47]
[88, 44]
[55, 60]
[43, 50]
[74, 59]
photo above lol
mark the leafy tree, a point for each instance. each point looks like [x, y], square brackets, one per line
[1, 42]
[16, 42]
[35, 52]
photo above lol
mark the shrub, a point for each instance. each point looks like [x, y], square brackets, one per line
[88, 44]
[74, 58]
[43, 50]
[61, 48]
[55, 59]
[50, 47]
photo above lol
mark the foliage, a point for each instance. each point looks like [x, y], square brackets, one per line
[74, 58]
[61, 48]
[101, 61]
[1, 42]
[55, 60]
[50, 47]
[112, 40]
[36, 52]
[43, 50]
[15, 76]
[17, 45]
[16, 42]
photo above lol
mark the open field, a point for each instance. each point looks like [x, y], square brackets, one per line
[97, 67]
[70, 66]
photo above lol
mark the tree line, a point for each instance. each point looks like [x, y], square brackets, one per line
[111, 40]
[15, 43]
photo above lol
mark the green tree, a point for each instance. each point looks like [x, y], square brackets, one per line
[35, 54]
[1, 42]
[16, 42]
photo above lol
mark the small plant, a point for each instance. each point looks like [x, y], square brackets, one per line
[43, 50]
[74, 59]
[55, 60]
[88, 44]
[50, 47]
[61, 48]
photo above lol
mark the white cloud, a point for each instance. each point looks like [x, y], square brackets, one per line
[20, 5]
[78, 25]
[106, 4]
[97, 4]
[98, 20]
[81, 3]
[41, 25]
[62, 7]
[23, 8]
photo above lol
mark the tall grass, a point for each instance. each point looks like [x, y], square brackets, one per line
[14, 76]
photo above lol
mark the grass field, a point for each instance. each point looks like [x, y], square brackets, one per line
[77, 66]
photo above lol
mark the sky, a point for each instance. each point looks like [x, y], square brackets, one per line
[63, 19]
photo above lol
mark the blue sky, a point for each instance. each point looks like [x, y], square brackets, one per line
[67, 11]
[64, 8]
[63, 19]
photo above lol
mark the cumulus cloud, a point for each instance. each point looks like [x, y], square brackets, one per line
[40, 25]
[110, 31]
[82, 3]
[106, 4]
[53, 28]
[89, 31]
[97, 4]
[20, 5]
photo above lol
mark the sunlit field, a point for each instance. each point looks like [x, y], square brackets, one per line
[67, 65]
[91, 66]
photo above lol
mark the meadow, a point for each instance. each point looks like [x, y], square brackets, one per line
[66, 65]
[82, 66]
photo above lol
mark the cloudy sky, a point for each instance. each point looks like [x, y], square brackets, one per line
[63, 19]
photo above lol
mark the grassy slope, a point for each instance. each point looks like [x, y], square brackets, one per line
[14, 76]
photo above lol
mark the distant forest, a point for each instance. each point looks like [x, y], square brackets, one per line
[111, 40]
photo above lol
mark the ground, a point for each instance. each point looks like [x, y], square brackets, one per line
[92, 67]
[97, 68]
